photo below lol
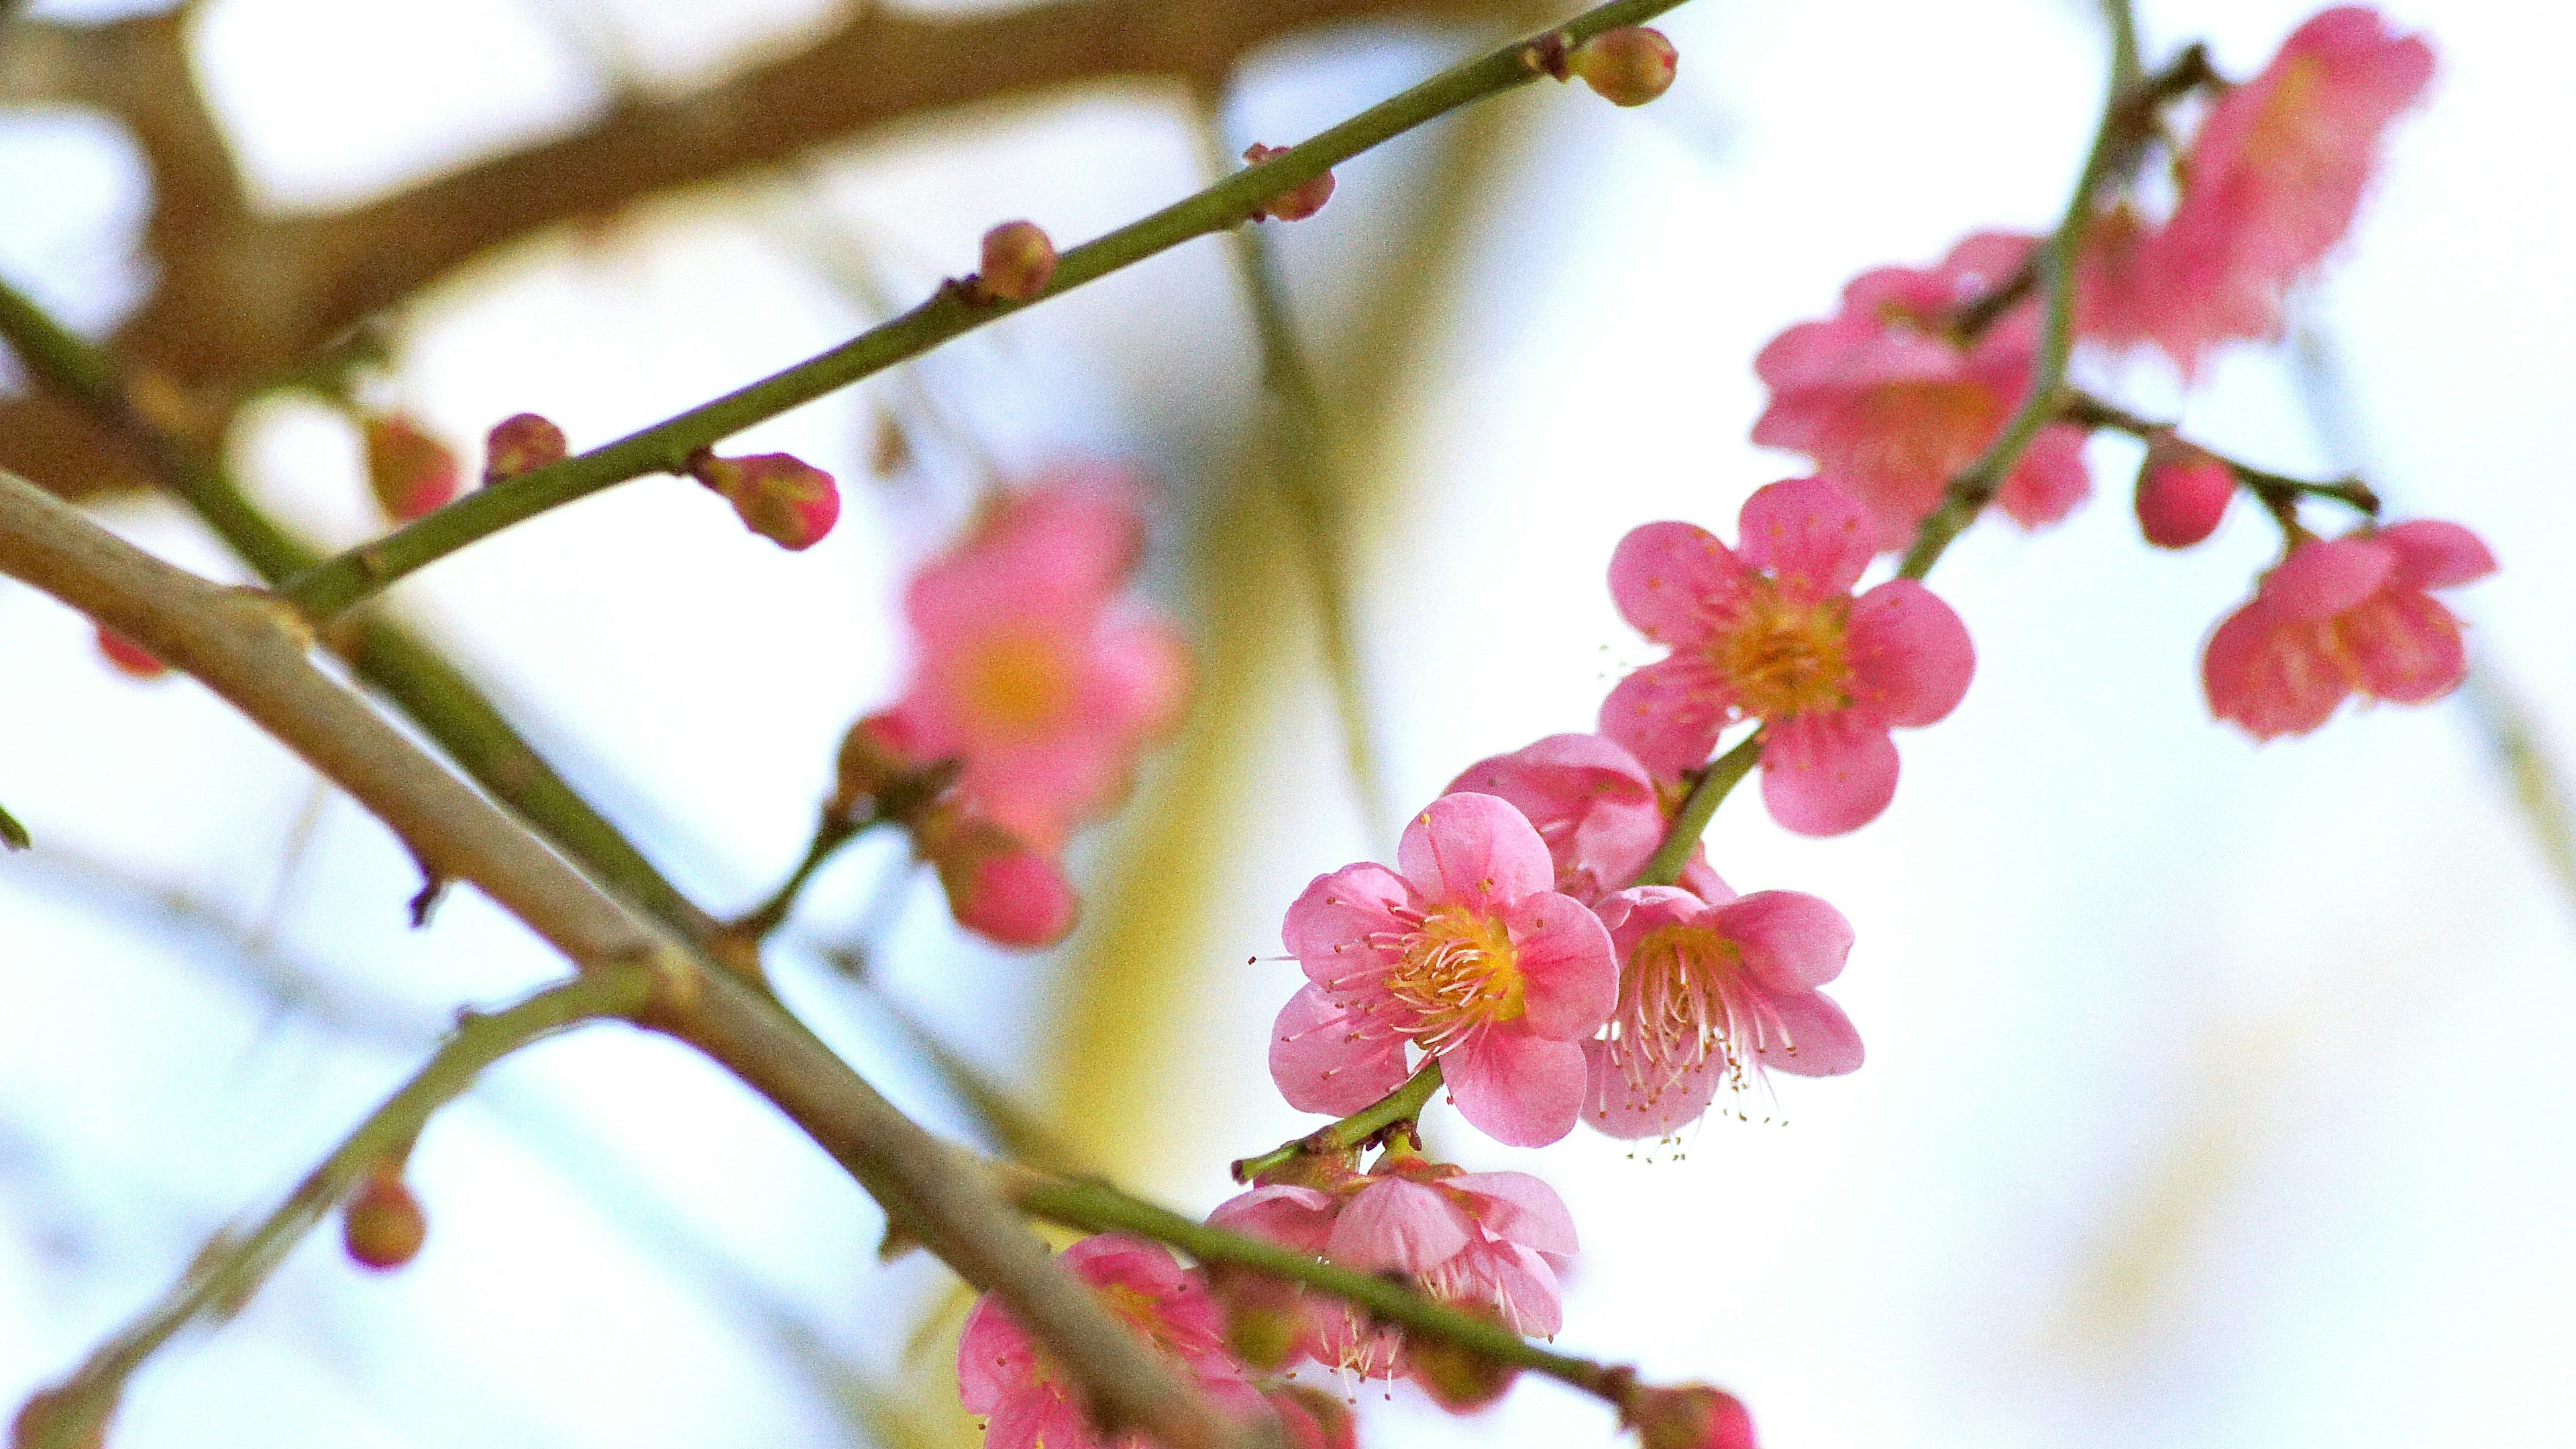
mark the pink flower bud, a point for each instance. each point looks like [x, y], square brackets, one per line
[780, 497]
[382, 1226]
[130, 659]
[998, 887]
[1693, 1416]
[1297, 203]
[520, 443]
[411, 472]
[1628, 66]
[2182, 492]
[1019, 261]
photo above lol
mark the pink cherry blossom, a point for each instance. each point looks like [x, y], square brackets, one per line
[1030, 673]
[2182, 492]
[1770, 631]
[2271, 184]
[1004, 1376]
[1886, 399]
[2346, 616]
[1466, 952]
[1711, 995]
[1601, 813]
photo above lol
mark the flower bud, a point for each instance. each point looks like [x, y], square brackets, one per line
[1628, 66]
[1296, 203]
[998, 887]
[780, 497]
[129, 658]
[1460, 1379]
[411, 472]
[2182, 492]
[382, 1225]
[874, 757]
[520, 443]
[1313, 1419]
[1266, 1318]
[1019, 261]
[1693, 1416]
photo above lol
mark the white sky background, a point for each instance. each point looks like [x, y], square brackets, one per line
[2217, 1096]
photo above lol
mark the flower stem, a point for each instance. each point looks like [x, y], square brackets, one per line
[950, 313]
[2278, 492]
[1720, 776]
[1355, 1131]
[830, 834]
[232, 1267]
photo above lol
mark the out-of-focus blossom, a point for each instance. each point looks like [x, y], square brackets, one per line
[1770, 631]
[1026, 1403]
[998, 886]
[2271, 184]
[1712, 994]
[411, 473]
[1692, 1416]
[2183, 492]
[1891, 404]
[2346, 616]
[1470, 954]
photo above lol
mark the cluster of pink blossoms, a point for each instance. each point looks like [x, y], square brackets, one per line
[1548, 946]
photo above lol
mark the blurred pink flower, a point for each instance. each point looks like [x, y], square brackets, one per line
[1773, 633]
[1002, 1376]
[1889, 403]
[1693, 1416]
[2345, 616]
[1030, 675]
[2183, 492]
[2271, 184]
[1711, 994]
[1469, 954]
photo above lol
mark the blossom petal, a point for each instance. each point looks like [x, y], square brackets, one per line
[2323, 577]
[2433, 554]
[1620, 1105]
[1823, 774]
[1810, 534]
[2270, 675]
[1140, 679]
[1283, 1213]
[1569, 978]
[1518, 1208]
[2049, 480]
[1669, 713]
[2407, 645]
[1524, 1285]
[994, 1361]
[1521, 1090]
[1790, 940]
[1330, 925]
[1672, 580]
[1474, 850]
[1323, 1061]
[1911, 658]
[1589, 799]
[1399, 1224]
[1822, 1041]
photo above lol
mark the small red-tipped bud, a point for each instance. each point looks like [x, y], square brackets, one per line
[411, 472]
[129, 658]
[1313, 1419]
[1693, 1416]
[1458, 1378]
[782, 498]
[2182, 492]
[1298, 202]
[1628, 66]
[520, 443]
[50, 1417]
[998, 887]
[875, 757]
[1019, 261]
[382, 1225]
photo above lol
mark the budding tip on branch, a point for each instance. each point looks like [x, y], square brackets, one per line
[1296, 203]
[382, 1225]
[521, 443]
[1628, 66]
[1018, 261]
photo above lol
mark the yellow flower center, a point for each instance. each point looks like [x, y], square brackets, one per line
[1783, 657]
[1018, 684]
[1460, 971]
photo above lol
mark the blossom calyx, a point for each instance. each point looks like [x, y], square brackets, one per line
[382, 1225]
[1693, 1416]
[1626, 66]
[410, 472]
[1298, 202]
[1018, 262]
[1459, 1378]
[779, 496]
[2183, 492]
[521, 443]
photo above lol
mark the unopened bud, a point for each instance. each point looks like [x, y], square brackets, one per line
[382, 1225]
[998, 887]
[1460, 1379]
[411, 472]
[1628, 66]
[520, 443]
[2183, 492]
[1019, 261]
[1693, 1416]
[782, 498]
[1298, 202]
[129, 658]
[1313, 1419]
[874, 757]
[1265, 1317]
[52, 1417]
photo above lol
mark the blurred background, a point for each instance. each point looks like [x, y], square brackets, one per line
[2191, 1116]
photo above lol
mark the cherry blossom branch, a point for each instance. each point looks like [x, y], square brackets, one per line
[2279, 492]
[1370, 1124]
[1716, 780]
[252, 651]
[232, 1267]
[433, 693]
[952, 312]
[2127, 120]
